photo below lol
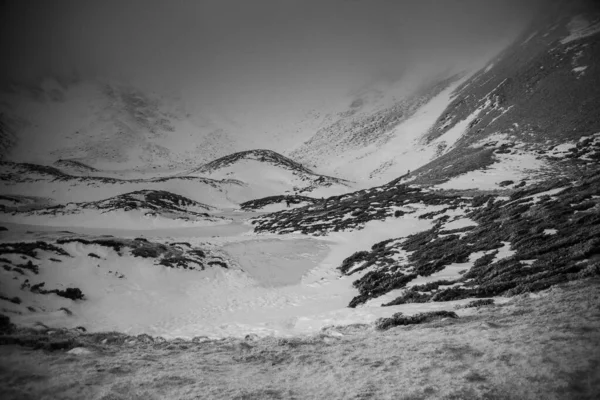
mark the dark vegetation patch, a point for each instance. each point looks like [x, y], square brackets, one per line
[477, 303]
[399, 319]
[5, 325]
[173, 255]
[23, 172]
[29, 266]
[14, 300]
[523, 221]
[288, 199]
[29, 249]
[350, 211]
[68, 293]
[152, 202]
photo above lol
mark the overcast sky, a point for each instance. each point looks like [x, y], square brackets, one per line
[252, 53]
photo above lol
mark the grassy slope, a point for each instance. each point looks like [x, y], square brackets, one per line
[547, 346]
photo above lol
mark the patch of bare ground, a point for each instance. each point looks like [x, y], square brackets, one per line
[543, 346]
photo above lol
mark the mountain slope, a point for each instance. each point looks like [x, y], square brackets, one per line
[539, 93]
[371, 138]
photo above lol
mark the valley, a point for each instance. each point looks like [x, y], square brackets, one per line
[437, 240]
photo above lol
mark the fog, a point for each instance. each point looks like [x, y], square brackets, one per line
[256, 57]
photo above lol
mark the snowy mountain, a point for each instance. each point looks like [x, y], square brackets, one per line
[104, 124]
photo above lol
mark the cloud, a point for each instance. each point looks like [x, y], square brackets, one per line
[229, 54]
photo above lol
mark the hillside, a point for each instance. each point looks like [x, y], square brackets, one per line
[143, 209]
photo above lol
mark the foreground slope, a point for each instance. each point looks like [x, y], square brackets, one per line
[532, 347]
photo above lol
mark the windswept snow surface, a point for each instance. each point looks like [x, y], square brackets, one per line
[513, 167]
[275, 284]
[404, 151]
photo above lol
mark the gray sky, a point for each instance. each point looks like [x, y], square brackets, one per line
[252, 55]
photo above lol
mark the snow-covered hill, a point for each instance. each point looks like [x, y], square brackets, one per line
[143, 209]
[271, 174]
[50, 182]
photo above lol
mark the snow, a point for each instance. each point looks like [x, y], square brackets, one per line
[460, 223]
[496, 139]
[579, 28]
[504, 252]
[404, 151]
[277, 284]
[450, 137]
[513, 167]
